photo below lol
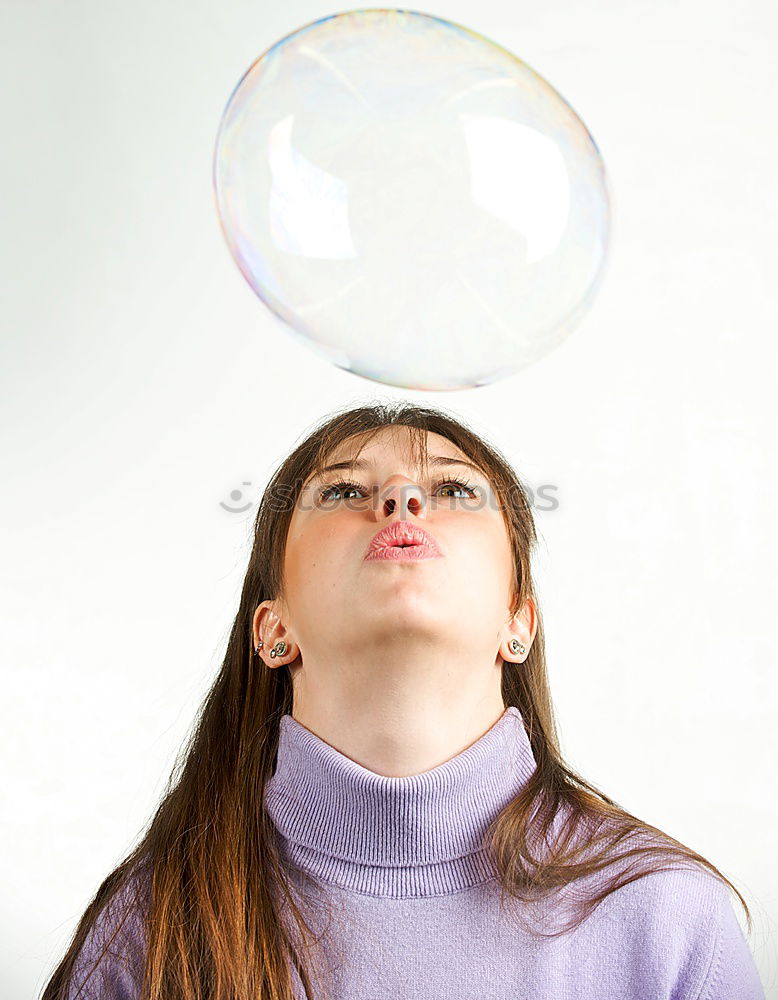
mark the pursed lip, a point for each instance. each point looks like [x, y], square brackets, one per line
[402, 533]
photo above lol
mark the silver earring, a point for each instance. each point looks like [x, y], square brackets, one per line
[515, 646]
[259, 646]
[279, 649]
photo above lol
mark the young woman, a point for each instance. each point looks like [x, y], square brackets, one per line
[374, 803]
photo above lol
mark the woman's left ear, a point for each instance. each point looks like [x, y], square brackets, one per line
[521, 629]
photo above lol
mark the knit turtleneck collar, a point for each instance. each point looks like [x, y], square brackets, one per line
[419, 835]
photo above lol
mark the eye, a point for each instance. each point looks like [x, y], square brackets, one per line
[461, 484]
[343, 485]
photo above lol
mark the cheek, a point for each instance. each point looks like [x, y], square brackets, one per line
[490, 557]
[301, 557]
[303, 579]
[314, 554]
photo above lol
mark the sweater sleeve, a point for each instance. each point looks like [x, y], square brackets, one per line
[117, 973]
[732, 973]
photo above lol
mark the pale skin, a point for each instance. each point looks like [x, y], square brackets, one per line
[397, 666]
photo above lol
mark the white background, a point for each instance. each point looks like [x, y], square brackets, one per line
[142, 381]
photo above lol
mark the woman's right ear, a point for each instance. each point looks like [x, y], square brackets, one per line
[269, 634]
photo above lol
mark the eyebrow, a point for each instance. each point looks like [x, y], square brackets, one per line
[436, 460]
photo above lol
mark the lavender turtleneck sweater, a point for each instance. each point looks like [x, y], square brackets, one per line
[404, 902]
[414, 902]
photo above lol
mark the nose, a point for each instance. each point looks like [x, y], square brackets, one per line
[401, 499]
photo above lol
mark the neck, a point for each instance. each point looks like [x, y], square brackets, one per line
[401, 721]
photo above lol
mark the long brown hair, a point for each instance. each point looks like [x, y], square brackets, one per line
[205, 887]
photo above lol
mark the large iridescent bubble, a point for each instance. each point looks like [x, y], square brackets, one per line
[412, 200]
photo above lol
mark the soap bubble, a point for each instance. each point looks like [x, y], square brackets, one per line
[411, 200]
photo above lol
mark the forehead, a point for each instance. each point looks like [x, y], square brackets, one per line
[361, 452]
[393, 439]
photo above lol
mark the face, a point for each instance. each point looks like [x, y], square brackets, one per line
[340, 606]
